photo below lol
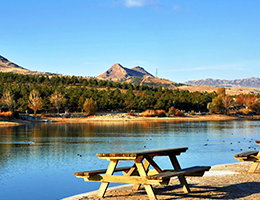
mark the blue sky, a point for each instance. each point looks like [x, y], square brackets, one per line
[185, 40]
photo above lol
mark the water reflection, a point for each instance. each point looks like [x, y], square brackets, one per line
[45, 156]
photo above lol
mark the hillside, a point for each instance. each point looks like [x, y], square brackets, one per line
[10, 67]
[248, 82]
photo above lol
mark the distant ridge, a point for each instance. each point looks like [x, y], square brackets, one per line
[10, 67]
[247, 82]
[118, 71]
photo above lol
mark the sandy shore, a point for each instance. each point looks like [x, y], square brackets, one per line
[230, 181]
[123, 117]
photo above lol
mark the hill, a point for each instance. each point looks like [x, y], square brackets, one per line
[118, 71]
[136, 75]
[10, 67]
[248, 82]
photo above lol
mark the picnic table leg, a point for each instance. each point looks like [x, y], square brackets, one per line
[255, 164]
[110, 171]
[182, 179]
[253, 167]
[137, 186]
[142, 172]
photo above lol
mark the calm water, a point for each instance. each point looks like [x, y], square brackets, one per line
[38, 162]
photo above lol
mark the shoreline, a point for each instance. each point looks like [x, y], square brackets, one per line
[225, 181]
[123, 117]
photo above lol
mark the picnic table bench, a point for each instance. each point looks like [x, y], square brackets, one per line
[140, 173]
[253, 156]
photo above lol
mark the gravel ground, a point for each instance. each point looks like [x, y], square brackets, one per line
[231, 181]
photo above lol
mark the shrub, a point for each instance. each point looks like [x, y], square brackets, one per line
[172, 110]
[160, 113]
[179, 113]
[90, 106]
[148, 113]
[153, 113]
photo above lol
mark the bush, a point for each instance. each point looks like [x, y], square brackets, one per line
[90, 106]
[179, 113]
[153, 113]
[148, 113]
[172, 110]
[160, 113]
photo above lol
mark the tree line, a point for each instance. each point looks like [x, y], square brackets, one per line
[44, 94]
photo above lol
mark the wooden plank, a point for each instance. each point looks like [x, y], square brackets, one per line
[184, 172]
[246, 154]
[253, 167]
[118, 157]
[135, 154]
[100, 171]
[123, 179]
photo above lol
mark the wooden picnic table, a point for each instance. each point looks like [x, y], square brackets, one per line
[141, 172]
[253, 156]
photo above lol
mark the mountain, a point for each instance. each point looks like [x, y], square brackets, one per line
[118, 71]
[248, 82]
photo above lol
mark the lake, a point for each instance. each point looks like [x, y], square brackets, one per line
[38, 161]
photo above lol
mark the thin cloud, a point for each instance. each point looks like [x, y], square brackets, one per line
[140, 3]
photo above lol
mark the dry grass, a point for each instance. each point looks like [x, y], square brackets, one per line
[229, 90]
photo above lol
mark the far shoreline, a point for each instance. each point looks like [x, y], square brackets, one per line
[124, 118]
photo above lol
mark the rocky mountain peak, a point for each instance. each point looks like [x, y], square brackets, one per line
[118, 71]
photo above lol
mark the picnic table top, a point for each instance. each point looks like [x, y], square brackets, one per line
[246, 153]
[154, 152]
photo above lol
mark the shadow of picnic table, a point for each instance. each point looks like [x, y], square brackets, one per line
[231, 191]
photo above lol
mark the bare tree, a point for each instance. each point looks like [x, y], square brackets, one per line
[227, 102]
[35, 101]
[57, 99]
[7, 100]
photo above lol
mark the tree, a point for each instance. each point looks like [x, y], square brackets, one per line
[90, 106]
[240, 99]
[216, 105]
[227, 102]
[35, 101]
[7, 100]
[57, 99]
[22, 104]
[221, 91]
[81, 102]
